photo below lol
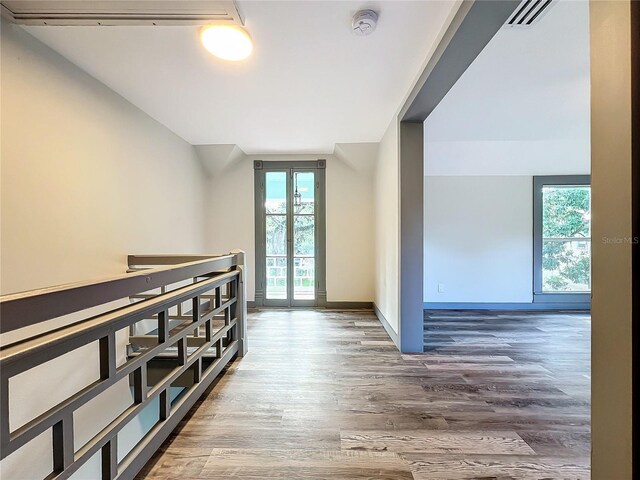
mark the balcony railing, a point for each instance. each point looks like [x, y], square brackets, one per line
[185, 319]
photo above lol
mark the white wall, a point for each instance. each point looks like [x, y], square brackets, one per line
[478, 239]
[231, 218]
[87, 178]
[229, 214]
[350, 227]
[387, 226]
[518, 157]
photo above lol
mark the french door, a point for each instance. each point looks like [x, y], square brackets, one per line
[290, 233]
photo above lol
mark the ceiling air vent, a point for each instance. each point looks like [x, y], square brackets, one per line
[528, 12]
[121, 12]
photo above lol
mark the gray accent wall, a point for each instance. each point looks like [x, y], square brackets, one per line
[473, 26]
[410, 331]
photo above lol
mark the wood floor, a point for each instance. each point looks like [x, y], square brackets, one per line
[326, 395]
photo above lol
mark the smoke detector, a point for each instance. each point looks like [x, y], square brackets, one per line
[364, 22]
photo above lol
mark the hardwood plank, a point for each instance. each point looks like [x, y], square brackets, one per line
[456, 467]
[305, 464]
[437, 441]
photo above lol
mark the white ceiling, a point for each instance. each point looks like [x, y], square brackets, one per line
[523, 106]
[310, 84]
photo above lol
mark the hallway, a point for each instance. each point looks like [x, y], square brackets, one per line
[326, 395]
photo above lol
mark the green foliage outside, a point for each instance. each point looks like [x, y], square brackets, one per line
[566, 260]
[303, 238]
[303, 244]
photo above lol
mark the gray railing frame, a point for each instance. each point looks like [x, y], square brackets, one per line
[208, 274]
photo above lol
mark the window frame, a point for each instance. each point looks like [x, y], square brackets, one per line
[539, 296]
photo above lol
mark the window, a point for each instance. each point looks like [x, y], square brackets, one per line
[562, 239]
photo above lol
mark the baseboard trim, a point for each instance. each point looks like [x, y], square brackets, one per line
[328, 305]
[349, 305]
[506, 306]
[390, 331]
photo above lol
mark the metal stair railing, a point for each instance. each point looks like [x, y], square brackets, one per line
[196, 344]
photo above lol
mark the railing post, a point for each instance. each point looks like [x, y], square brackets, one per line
[241, 304]
[4, 410]
[109, 454]
[63, 447]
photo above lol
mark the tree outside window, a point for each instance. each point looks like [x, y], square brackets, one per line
[566, 238]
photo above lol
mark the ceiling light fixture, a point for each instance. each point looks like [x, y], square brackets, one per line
[297, 196]
[227, 42]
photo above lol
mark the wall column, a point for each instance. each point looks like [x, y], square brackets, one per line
[611, 185]
[411, 218]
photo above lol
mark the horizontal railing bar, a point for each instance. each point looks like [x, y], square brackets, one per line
[152, 340]
[172, 356]
[111, 430]
[29, 308]
[46, 420]
[174, 317]
[188, 315]
[145, 260]
[146, 296]
[69, 338]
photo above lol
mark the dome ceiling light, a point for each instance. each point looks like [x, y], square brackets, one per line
[227, 42]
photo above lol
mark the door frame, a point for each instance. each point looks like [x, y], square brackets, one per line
[260, 168]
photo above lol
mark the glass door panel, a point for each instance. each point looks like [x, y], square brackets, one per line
[304, 235]
[305, 183]
[276, 244]
[304, 279]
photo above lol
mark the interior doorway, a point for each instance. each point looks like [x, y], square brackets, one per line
[290, 233]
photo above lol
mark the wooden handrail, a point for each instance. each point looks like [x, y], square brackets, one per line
[23, 309]
[70, 337]
[171, 259]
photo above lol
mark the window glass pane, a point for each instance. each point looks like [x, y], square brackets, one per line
[276, 192]
[276, 278]
[566, 211]
[303, 235]
[566, 266]
[305, 183]
[276, 242]
[304, 279]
